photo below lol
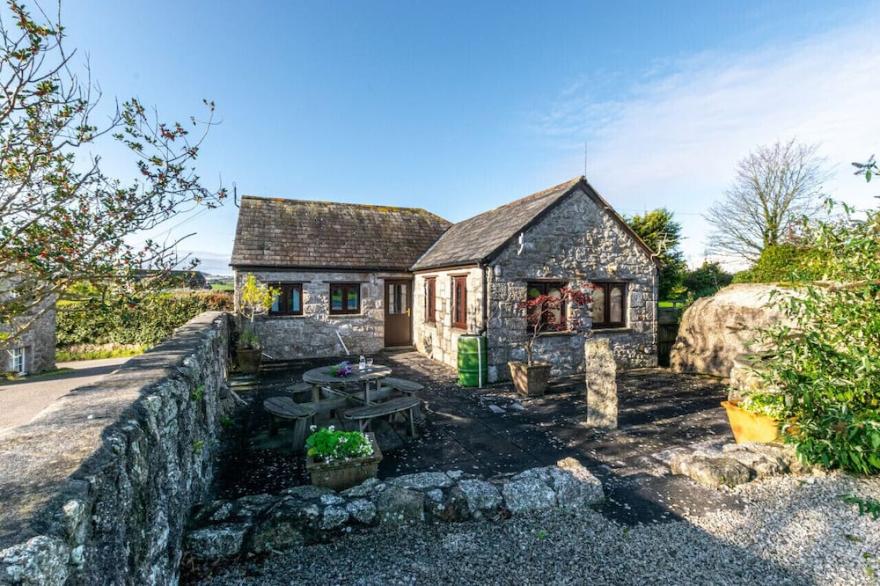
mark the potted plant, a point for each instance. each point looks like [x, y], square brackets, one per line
[256, 298]
[544, 314]
[757, 418]
[341, 459]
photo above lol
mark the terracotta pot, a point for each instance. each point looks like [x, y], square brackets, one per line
[248, 359]
[348, 473]
[750, 427]
[530, 380]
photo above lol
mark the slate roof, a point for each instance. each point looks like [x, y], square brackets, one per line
[479, 238]
[276, 232]
[471, 241]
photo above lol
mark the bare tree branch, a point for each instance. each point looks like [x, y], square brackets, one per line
[776, 187]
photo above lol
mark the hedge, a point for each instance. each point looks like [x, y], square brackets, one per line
[783, 263]
[146, 322]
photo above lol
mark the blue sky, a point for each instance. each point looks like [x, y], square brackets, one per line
[460, 107]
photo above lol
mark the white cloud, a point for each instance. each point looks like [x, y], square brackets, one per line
[676, 136]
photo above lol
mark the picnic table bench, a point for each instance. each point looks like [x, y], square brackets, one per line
[287, 408]
[363, 415]
[403, 385]
[407, 387]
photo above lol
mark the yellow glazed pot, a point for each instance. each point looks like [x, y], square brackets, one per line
[750, 427]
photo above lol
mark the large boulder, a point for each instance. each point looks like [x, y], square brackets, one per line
[717, 329]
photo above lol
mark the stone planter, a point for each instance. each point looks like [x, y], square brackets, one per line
[342, 475]
[530, 380]
[750, 427]
[248, 359]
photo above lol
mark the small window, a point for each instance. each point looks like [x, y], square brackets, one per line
[551, 314]
[430, 300]
[609, 305]
[16, 360]
[289, 301]
[459, 302]
[398, 300]
[345, 298]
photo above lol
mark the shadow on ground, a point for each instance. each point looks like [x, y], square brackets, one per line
[495, 433]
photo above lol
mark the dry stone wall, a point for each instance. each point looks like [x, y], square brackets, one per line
[305, 515]
[97, 489]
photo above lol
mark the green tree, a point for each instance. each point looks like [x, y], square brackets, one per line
[63, 219]
[706, 280]
[659, 230]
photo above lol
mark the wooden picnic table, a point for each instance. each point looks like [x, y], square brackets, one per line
[322, 377]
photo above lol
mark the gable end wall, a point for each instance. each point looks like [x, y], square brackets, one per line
[576, 241]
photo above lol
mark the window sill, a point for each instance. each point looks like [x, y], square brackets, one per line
[622, 330]
[557, 334]
[285, 316]
[344, 315]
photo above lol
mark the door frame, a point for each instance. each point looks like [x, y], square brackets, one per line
[409, 309]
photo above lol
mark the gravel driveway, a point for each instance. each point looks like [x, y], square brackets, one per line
[791, 530]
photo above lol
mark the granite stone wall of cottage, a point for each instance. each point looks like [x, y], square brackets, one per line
[439, 339]
[97, 489]
[38, 343]
[313, 334]
[41, 343]
[575, 242]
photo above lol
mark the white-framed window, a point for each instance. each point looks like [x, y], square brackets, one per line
[17, 360]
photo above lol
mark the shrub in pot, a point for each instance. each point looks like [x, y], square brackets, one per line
[545, 313]
[341, 459]
[256, 298]
[757, 418]
[827, 357]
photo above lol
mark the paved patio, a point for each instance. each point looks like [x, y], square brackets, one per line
[494, 433]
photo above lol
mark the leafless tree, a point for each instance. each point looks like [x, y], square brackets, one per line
[776, 187]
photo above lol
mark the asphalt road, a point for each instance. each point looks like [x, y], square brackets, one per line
[21, 401]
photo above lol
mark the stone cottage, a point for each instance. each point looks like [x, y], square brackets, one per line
[466, 278]
[342, 269]
[475, 276]
[34, 351]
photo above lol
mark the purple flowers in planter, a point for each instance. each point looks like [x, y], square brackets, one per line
[342, 370]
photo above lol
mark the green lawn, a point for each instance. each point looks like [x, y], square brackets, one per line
[670, 304]
[223, 287]
[87, 352]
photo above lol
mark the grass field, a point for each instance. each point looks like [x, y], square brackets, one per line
[223, 286]
[96, 351]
